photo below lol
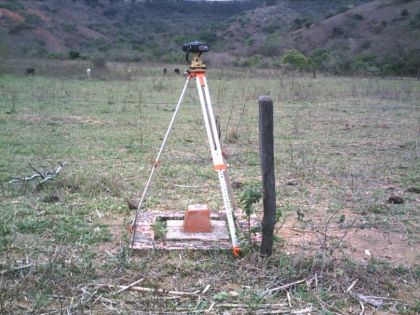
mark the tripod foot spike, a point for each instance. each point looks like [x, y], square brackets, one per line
[236, 251]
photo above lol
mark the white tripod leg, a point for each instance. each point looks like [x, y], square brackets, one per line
[217, 156]
[157, 160]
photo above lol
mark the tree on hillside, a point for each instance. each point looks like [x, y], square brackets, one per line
[318, 60]
[296, 59]
[299, 61]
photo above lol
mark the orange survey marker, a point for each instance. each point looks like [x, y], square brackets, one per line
[197, 219]
[201, 217]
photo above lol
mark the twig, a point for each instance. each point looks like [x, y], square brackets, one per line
[362, 312]
[270, 291]
[352, 285]
[45, 176]
[129, 286]
[363, 298]
[149, 290]
[206, 289]
[16, 268]
[210, 307]
[186, 186]
[307, 310]
[237, 305]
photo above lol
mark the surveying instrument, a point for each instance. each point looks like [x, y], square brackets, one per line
[197, 71]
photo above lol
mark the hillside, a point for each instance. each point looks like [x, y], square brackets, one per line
[351, 36]
[381, 34]
[118, 29]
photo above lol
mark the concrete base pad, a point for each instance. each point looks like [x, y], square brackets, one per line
[175, 231]
[144, 236]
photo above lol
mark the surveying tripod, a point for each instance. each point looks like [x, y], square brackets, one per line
[197, 71]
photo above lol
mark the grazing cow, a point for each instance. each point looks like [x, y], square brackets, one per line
[29, 71]
[176, 71]
[164, 71]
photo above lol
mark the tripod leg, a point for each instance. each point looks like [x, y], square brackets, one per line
[217, 156]
[156, 162]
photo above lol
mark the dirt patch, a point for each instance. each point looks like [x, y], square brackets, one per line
[62, 119]
[117, 228]
[40, 14]
[360, 244]
[52, 42]
[89, 33]
[11, 15]
[393, 247]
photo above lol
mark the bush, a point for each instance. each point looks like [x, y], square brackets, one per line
[338, 31]
[110, 13]
[12, 5]
[357, 16]
[32, 19]
[365, 63]
[92, 3]
[19, 28]
[415, 21]
[341, 10]
[74, 54]
[252, 61]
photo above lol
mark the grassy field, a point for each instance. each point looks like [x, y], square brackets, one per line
[343, 147]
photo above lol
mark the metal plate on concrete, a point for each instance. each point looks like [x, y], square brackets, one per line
[175, 232]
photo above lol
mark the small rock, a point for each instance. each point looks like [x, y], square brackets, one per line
[292, 182]
[132, 204]
[237, 185]
[415, 190]
[51, 199]
[397, 200]
[367, 252]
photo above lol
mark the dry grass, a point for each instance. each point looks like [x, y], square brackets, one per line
[343, 147]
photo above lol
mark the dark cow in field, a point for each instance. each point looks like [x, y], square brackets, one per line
[176, 71]
[29, 71]
[164, 71]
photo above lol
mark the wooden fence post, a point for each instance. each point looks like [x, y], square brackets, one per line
[266, 142]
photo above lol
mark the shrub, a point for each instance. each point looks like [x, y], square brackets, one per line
[365, 63]
[341, 10]
[32, 19]
[74, 54]
[11, 5]
[338, 31]
[251, 61]
[110, 13]
[92, 3]
[365, 45]
[415, 21]
[404, 12]
[357, 16]
[19, 28]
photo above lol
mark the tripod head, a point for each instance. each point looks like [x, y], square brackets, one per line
[196, 48]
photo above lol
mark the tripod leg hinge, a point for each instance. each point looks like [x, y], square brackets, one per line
[220, 167]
